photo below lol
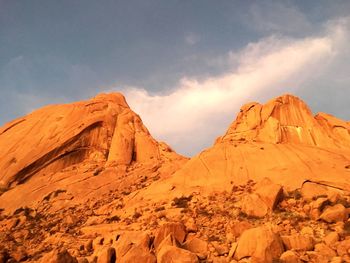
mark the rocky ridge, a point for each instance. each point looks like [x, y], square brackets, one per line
[274, 188]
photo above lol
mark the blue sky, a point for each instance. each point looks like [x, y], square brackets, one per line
[185, 66]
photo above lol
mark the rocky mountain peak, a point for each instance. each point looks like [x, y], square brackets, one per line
[287, 119]
[102, 130]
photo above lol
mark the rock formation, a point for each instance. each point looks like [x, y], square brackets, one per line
[61, 147]
[86, 182]
[280, 140]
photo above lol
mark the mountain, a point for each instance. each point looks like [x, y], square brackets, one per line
[87, 182]
[280, 140]
[62, 148]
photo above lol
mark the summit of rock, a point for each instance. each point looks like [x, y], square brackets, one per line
[57, 140]
[287, 119]
[281, 140]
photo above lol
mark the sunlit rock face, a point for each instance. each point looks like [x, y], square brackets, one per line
[281, 140]
[101, 132]
[287, 119]
[86, 182]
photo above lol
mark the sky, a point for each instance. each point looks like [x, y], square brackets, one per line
[186, 67]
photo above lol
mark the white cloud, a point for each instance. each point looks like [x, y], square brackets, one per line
[196, 111]
[191, 39]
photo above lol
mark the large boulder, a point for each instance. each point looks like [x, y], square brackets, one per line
[133, 247]
[261, 244]
[107, 255]
[252, 205]
[336, 213]
[178, 230]
[197, 246]
[172, 254]
[269, 192]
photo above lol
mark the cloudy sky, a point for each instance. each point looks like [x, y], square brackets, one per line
[185, 66]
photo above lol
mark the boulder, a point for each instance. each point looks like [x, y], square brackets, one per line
[336, 213]
[170, 240]
[198, 246]
[236, 228]
[138, 254]
[260, 243]
[298, 242]
[177, 229]
[134, 246]
[290, 257]
[172, 254]
[58, 256]
[107, 255]
[221, 249]
[269, 192]
[343, 247]
[310, 191]
[325, 251]
[252, 205]
[331, 238]
[317, 206]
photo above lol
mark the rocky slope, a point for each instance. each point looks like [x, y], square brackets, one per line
[86, 182]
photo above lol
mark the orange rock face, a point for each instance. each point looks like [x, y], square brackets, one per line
[280, 140]
[86, 182]
[287, 119]
[54, 142]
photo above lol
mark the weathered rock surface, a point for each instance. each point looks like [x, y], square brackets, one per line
[287, 119]
[298, 242]
[260, 243]
[176, 229]
[335, 213]
[92, 185]
[172, 254]
[75, 149]
[59, 257]
[280, 140]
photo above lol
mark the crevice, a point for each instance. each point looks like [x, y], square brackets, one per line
[54, 155]
[324, 184]
[204, 164]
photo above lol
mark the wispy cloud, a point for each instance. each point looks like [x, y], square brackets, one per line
[276, 16]
[191, 39]
[196, 110]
